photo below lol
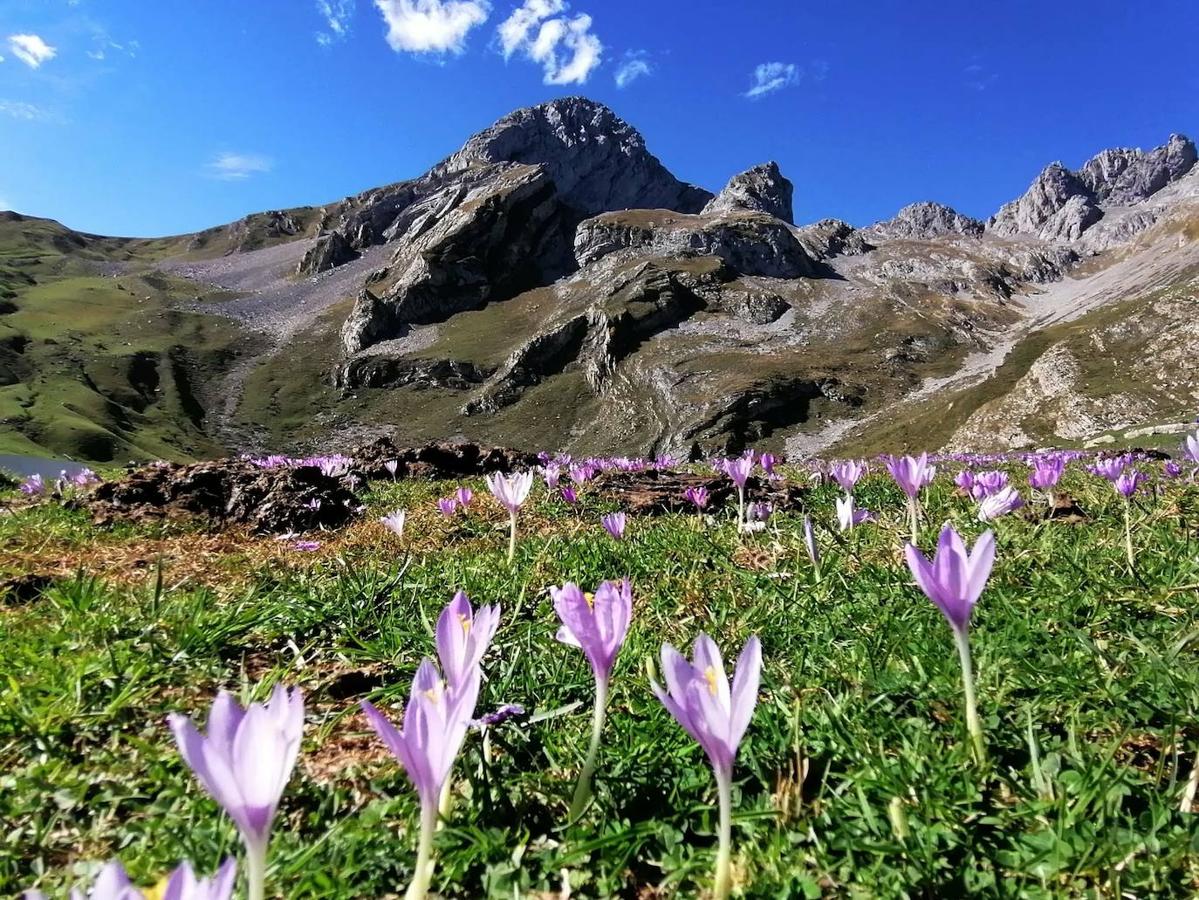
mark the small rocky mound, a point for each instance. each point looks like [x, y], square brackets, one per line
[833, 237]
[227, 492]
[749, 242]
[760, 189]
[924, 221]
[330, 251]
[655, 491]
[438, 461]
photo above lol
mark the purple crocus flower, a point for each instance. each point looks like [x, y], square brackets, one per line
[849, 515]
[244, 763]
[698, 696]
[697, 497]
[597, 625]
[768, 462]
[463, 636]
[1190, 447]
[569, 495]
[85, 478]
[394, 522]
[809, 539]
[1000, 503]
[511, 492]
[392, 466]
[847, 473]
[113, 884]
[448, 506]
[614, 524]
[1109, 467]
[1128, 482]
[1047, 473]
[552, 475]
[1172, 469]
[739, 470]
[464, 496]
[436, 720]
[306, 546]
[954, 580]
[499, 716]
[988, 483]
[912, 474]
[33, 486]
[965, 481]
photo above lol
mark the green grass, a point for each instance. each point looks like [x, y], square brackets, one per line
[1087, 677]
[98, 366]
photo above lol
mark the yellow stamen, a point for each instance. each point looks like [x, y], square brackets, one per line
[710, 676]
[590, 598]
[158, 891]
[464, 622]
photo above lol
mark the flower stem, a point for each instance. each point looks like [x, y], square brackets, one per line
[511, 537]
[1132, 558]
[583, 788]
[973, 723]
[255, 869]
[423, 874]
[914, 519]
[740, 506]
[724, 855]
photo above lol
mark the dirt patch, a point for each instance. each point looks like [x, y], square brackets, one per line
[228, 492]
[22, 589]
[437, 461]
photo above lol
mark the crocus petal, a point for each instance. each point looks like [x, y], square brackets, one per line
[746, 679]
[982, 559]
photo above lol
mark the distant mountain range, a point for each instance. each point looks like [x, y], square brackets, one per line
[552, 285]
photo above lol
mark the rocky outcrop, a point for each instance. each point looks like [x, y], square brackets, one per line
[1048, 194]
[329, 251]
[497, 239]
[750, 243]
[386, 371]
[926, 221]
[1123, 176]
[760, 189]
[1061, 205]
[832, 237]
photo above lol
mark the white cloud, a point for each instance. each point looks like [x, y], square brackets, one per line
[337, 15]
[238, 166]
[30, 49]
[26, 112]
[565, 47]
[772, 76]
[431, 26]
[634, 66]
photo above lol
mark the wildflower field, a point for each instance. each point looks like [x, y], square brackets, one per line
[863, 771]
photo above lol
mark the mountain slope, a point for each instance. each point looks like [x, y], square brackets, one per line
[551, 284]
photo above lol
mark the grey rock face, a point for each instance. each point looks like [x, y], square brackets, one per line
[1067, 224]
[329, 251]
[1125, 176]
[1051, 190]
[832, 237]
[597, 160]
[496, 239]
[750, 243]
[760, 189]
[1061, 205]
[924, 221]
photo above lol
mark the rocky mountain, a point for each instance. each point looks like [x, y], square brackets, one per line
[551, 284]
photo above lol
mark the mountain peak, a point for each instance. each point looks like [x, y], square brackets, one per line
[597, 160]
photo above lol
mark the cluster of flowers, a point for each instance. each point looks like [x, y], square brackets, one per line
[334, 465]
[35, 485]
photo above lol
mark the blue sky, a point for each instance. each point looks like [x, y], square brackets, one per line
[151, 117]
